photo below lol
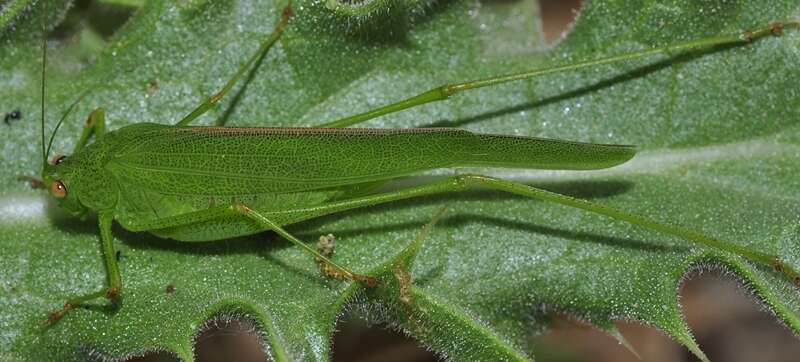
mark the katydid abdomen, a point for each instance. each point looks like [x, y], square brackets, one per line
[169, 171]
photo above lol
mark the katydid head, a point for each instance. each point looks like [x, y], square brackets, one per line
[62, 171]
[57, 177]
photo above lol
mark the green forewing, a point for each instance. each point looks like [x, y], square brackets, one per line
[212, 161]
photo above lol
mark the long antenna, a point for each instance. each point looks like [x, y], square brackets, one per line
[44, 66]
[60, 121]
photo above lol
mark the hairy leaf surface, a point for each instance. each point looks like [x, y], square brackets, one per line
[717, 130]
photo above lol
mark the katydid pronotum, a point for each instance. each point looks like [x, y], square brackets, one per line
[147, 176]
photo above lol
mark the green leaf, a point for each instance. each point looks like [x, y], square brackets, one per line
[718, 132]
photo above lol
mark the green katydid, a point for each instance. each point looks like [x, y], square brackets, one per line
[193, 183]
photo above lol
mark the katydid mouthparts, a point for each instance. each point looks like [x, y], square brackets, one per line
[191, 183]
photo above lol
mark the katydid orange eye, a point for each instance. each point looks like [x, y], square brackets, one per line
[58, 159]
[58, 190]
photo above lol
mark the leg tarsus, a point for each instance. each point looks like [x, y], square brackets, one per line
[110, 293]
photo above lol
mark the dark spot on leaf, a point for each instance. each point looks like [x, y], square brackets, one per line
[14, 115]
[152, 85]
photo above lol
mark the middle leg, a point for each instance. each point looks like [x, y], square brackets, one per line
[329, 267]
[191, 221]
[213, 100]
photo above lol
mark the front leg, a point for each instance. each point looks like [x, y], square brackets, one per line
[114, 279]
